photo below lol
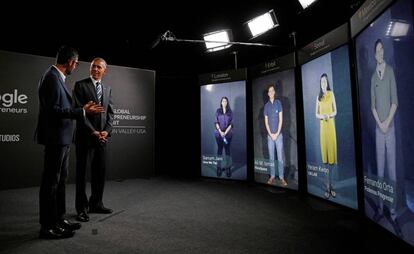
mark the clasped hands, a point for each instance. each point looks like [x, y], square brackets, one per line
[326, 117]
[384, 126]
[101, 135]
[274, 136]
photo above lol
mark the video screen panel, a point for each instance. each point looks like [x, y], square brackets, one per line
[385, 60]
[223, 130]
[329, 131]
[275, 130]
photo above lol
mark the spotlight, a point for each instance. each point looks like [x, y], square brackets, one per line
[262, 23]
[306, 3]
[217, 40]
[397, 29]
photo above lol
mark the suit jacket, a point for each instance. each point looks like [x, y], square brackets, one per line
[83, 92]
[55, 124]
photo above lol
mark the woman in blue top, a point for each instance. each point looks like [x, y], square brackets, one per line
[224, 134]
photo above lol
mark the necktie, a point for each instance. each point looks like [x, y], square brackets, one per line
[99, 91]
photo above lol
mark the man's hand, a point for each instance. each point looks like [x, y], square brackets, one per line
[383, 127]
[101, 136]
[104, 136]
[96, 134]
[387, 124]
[93, 108]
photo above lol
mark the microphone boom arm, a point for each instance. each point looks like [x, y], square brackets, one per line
[169, 36]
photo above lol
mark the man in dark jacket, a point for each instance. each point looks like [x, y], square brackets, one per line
[55, 132]
[91, 139]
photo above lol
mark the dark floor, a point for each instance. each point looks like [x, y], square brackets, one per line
[164, 215]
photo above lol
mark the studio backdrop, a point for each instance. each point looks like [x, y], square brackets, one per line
[385, 59]
[328, 115]
[130, 149]
[275, 158]
[223, 125]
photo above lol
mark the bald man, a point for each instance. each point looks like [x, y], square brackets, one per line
[91, 140]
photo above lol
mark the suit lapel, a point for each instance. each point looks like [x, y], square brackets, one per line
[104, 94]
[92, 90]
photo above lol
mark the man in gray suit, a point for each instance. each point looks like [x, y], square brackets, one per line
[91, 140]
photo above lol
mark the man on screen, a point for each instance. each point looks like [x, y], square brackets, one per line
[384, 103]
[91, 139]
[55, 132]
[273, 115]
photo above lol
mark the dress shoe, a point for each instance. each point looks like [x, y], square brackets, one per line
[82, 217]
[55, 233]
[100, 209]
[65, 224]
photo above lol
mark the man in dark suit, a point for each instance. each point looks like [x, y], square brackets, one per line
[55, 132]
[91, 139]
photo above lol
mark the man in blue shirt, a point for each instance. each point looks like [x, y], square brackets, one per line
[273, 115]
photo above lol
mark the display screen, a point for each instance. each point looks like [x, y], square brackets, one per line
[274, 129]
[385, 60]
[329, 132]
[132, 137]
[223, 130]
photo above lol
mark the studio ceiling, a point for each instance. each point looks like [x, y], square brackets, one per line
[124, 32]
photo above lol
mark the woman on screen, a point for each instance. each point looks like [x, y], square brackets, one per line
[326, 112]
[223, 134]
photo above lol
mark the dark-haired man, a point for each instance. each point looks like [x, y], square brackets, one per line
[273, 114]
[55, 132]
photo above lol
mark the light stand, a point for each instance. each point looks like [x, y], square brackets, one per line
[169, 36]
[235, 59]
[293, 35]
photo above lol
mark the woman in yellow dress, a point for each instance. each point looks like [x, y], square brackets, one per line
[326, 112]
